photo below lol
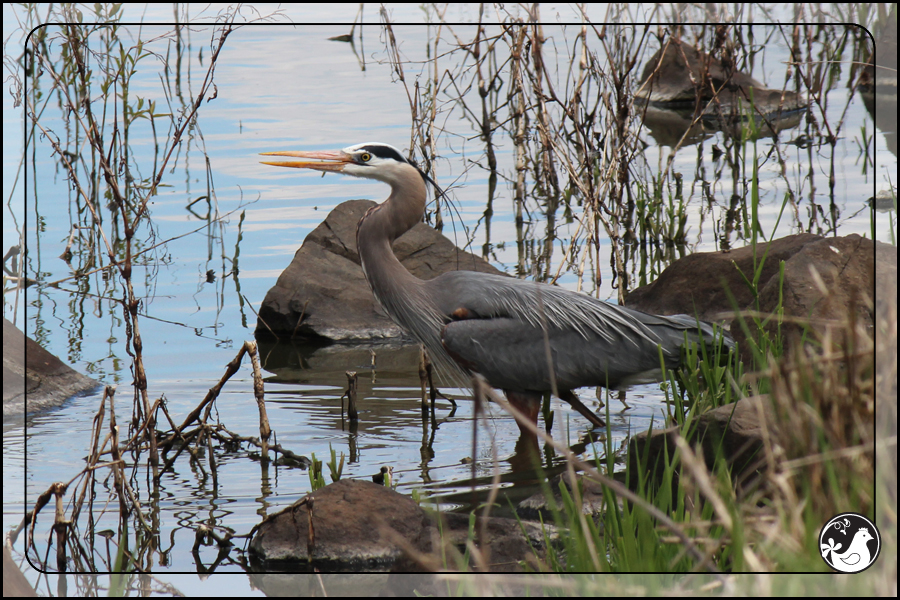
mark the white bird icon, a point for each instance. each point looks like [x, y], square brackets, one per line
[857, 554]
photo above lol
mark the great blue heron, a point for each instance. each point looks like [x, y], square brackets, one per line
[498, 326]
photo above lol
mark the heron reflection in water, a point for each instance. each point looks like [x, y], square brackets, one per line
[497, 326]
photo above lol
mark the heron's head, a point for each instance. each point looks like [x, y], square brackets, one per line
[372, 160]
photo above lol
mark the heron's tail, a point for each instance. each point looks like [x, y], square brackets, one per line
[710, 333]
[673, 330]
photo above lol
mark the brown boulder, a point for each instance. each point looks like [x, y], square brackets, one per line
[827, 282]
[699, 284]
[359, 525]
[843, 284]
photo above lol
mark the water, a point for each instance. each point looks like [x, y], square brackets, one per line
[291, 88]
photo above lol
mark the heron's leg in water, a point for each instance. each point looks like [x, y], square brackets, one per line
[527, 455]
[528, 403]
[570, 397]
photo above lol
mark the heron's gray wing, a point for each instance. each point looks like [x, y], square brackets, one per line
[495, 325]
[512, 354]
[469, 295]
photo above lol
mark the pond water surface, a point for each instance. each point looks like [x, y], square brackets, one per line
[290, 87]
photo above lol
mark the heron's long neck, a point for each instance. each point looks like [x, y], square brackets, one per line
[404, 297]
[389, 280]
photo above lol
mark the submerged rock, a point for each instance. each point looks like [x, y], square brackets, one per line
[323, 293]
[878, 78]
[734, 431]
[679, 77]
[538, 508]
[31, 373]
[679, 73]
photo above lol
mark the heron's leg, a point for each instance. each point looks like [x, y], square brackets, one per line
[570, 397]
[527, 455]
[528, 403]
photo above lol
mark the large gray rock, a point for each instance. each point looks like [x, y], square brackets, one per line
[828, 283]
[29, 371]
[323, 294]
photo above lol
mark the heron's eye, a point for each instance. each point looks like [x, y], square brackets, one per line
[365, 157]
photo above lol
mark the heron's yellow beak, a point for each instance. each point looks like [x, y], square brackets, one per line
[337, 158]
